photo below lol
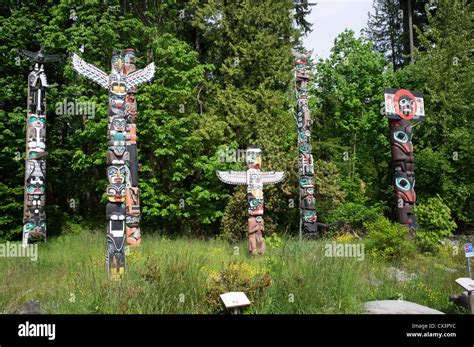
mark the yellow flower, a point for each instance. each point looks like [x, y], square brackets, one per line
[345, 237]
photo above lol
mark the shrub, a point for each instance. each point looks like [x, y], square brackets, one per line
[355, 214]
[234, 221]
[235, 277]
[387, 240]
[70, 227]
[436, 223]
[273, 241]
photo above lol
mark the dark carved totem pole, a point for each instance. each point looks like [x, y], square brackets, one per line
[254, 179]
[34, 215]
[401, 107]
[123, 210]
[308, 217]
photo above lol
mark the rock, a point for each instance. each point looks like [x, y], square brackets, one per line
[30, 307]
[397, 307]
[400, 275]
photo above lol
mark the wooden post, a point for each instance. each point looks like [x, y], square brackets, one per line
[410, 30]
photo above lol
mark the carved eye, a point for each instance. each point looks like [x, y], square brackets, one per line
[403, 183]
[400, 136]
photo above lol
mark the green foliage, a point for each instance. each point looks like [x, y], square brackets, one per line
[385, 29]
[184, 276]
[328, 191]
[436, 222]
[71, 227]
[443, 72]
[348, 119]
[356, 214]
[387, 240]
[221, 77]
[222, 81]
[235, 277]
[273, 241]
[388, 27]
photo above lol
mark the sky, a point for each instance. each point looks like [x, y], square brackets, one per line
[331, 17]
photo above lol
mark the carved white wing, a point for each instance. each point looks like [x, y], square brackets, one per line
[271, 177]
[233, 177]
[140, 76]
[301, 55]
[90, 71]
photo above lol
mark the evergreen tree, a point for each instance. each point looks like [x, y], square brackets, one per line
[388, 27]
[384, 28]
[443, 142]
[223, 70]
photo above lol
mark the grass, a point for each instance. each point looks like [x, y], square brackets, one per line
[168, 276]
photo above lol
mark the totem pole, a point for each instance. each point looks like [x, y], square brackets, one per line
[254, 179]
[34, 215]
[401, 107]
[308, 218]
[132, 202]
[123, 211]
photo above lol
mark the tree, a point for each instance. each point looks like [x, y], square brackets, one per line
[388, 27]
[349, 126]
[385, 29]
[443, 142]
[222, 78]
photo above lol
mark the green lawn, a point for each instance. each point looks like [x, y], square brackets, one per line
[187, 275]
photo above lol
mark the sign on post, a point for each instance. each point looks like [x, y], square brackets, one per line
[468, 250]
[235, 300]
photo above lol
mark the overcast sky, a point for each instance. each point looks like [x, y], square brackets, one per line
[329, 18]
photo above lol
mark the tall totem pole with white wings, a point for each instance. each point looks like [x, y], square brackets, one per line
[123, 210]
[34, 214]
[254, 179]
[308, 217]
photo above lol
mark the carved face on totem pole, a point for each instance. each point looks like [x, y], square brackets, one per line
[401, 145]
[401, 104]
[36, 133]
[255, 186]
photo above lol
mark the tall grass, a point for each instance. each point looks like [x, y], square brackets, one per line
[168, 276]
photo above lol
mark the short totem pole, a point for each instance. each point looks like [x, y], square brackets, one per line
[401, 107]
[308, 217]
[123, 210]
[34, 215]
[254, 179]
